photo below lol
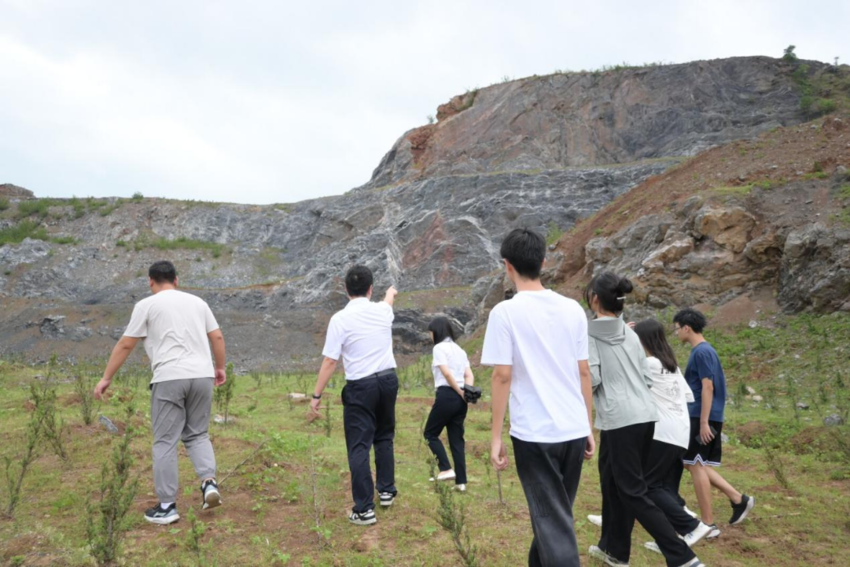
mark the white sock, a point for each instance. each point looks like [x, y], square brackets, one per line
[165, 505]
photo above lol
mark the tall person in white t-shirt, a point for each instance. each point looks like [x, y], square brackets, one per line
[177, 329]
[361, 336]
[537, 344]
[450, 366]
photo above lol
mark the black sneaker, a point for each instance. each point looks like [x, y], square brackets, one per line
[212, 498]
[740, 511]
[386, 498]
[366, 518]
[162, 516]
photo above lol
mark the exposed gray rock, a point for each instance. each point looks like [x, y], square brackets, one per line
[107, 424]
[833, 420]
[52, 326]
[815, 268]
[27, 252]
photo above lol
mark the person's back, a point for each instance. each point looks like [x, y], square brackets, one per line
[548, 337]
[174, 325]
[362, 337]
[705, 363]
[671, 394]
[622, 394]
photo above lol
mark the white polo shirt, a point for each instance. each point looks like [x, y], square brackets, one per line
[542, 335]
[174, 326]
[447, 353]
[361, 335]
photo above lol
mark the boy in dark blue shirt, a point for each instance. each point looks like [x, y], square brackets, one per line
[704, 375]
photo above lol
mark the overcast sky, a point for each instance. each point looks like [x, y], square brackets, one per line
[272, 101]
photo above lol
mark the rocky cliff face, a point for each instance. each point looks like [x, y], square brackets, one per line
[543, 152]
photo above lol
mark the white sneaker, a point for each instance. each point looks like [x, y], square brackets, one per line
[595, 520]
[447, 475]
[597, 553]
[460, 487]
[652, 546]
[691, 513]
[714, 533]
[695, 562]
[696, 536]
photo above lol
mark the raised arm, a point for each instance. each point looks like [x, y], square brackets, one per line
[389, 297]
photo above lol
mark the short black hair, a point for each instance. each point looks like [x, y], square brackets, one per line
[162, 271]
[525, 250]
[358, 280]
[692, 318]
[611, 290]
[442, 329]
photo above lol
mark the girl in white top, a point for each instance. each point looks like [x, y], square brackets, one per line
[451, 372]
[672, 431]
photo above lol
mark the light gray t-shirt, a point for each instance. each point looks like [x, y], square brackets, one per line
[174, 326]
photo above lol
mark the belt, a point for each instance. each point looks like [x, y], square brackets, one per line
[380, 374]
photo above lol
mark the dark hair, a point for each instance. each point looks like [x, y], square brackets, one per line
[654, 340]
[611, 290]
[358, 280]
[692, 318]
[525, 250]
[442, 329]
[162, 271]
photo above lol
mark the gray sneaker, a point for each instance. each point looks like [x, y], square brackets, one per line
[162, 516]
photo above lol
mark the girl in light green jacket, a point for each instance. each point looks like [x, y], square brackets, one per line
[626, 414]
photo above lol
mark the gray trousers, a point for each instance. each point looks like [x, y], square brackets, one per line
[180, 409]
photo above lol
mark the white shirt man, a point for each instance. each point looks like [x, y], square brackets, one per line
[361, 336]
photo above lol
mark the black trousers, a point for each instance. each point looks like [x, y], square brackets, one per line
[369, 419]
[549, 474]
[660, 475]
[623, 458]
[449, 412]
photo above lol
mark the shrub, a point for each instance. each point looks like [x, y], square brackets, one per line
[4, 203]
[52, 426]
[137, 196]
[84, 388]
[15, 479]
[25, 229]
[788, 53]
[224, 393]
[37, 207]
[452, 517]
[106, 521]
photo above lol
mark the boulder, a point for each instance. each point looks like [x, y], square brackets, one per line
[728, 226]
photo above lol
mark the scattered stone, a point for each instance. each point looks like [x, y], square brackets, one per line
[757, 398]
[724, 438]
[107, 423]
[802, 406]
[833, 420]
[753, 324]
[220, 419]
[774, 167]
[297, 396]
[751, 391]
[809, 201]
[52, 326]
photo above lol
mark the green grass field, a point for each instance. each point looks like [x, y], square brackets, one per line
[287, 503]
